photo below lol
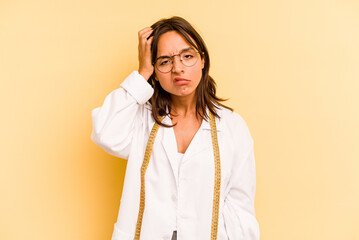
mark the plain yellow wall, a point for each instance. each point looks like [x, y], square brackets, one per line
[290, 68]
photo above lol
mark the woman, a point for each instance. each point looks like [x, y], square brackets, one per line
[191, 172]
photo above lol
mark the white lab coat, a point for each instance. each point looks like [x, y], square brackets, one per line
[182, 199]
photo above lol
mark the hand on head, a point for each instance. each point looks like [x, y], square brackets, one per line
[144, 52]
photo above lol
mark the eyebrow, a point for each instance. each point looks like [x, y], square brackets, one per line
[163, 56]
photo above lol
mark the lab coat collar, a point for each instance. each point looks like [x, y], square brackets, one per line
[198, 144]
[168, 141]
[206, 125]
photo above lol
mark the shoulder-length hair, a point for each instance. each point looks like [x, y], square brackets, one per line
[206, 89]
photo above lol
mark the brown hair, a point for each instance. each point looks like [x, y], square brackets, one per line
[206, 89]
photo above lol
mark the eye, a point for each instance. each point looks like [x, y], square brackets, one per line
[164, 62]
[188, 56]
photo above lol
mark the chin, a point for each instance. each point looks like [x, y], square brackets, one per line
[186, 93]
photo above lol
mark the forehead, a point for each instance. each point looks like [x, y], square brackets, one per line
[171, 43]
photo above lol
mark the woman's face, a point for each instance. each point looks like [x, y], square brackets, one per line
[171, 43]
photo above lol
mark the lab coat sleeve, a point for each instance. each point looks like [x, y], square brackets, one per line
[115, 121]
[238, 209]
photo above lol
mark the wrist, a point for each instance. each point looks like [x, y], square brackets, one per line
[145, 75]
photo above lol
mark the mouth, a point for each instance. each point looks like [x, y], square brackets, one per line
[180, 81]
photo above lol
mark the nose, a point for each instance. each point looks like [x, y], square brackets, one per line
[177, 65]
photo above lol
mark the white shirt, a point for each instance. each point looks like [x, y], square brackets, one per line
[177, 165]
[177, 197]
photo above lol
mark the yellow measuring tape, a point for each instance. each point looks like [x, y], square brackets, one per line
[217, 177]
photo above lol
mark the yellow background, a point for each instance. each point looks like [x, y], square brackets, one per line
[290, 68]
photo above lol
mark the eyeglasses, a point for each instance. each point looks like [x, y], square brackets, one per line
[188, 57]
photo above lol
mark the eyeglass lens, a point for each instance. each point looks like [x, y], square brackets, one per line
[188, 57]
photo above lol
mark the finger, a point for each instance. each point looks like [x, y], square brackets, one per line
[149, 41]
[145, 36]
[146, 32]
[144, 40]
[144, 29]
[147, 51]
[147, 29]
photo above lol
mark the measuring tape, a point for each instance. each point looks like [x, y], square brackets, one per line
[217, 177]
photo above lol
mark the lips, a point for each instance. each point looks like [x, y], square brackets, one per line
[180, 81]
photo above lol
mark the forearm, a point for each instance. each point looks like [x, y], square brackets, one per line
[114, 121]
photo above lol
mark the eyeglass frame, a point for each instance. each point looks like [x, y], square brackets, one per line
[172, 59]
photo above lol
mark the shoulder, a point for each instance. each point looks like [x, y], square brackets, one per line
[234, 124]
[231, 118]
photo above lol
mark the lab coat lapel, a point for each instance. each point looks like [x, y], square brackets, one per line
[202, 141]
[169, 144]
[199, 142]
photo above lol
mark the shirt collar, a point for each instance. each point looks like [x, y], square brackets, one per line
[206, 124]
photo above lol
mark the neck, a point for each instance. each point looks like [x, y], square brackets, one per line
[183, 105]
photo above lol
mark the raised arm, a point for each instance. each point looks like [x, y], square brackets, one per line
[114, 122]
